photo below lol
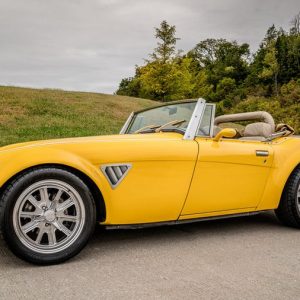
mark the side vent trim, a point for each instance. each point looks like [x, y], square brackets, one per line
[115, 173]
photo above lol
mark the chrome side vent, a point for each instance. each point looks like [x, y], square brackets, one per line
[115, 173]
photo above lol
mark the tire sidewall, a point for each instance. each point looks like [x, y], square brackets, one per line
[293, 194]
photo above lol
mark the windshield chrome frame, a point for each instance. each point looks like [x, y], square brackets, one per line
[125, 126]
[212, 121]
[194, 123]
[195, 120]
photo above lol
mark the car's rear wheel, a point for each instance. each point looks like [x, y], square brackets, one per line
[288, 211]
[48, 215]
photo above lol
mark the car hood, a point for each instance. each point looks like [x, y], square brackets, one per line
[80, 140]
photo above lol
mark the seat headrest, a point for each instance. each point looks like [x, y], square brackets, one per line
[258, 129]
[248, 116]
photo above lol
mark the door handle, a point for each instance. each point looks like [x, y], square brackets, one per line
[262, 153]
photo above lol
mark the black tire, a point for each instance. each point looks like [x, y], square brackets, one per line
[8, 202]
[288, 211]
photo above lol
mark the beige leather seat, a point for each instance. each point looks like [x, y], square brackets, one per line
[254, 131]
[257, 131]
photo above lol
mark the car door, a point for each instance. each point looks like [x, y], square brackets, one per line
[230, 175]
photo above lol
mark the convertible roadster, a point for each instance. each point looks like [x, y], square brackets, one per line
[171, 164]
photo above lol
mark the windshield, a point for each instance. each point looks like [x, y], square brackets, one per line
[162, 115]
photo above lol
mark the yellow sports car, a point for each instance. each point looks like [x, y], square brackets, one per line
[170, 164]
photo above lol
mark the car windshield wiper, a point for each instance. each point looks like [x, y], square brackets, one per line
[158, 128]
[172, 123]
[148, 127]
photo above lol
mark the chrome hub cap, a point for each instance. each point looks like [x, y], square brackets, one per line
[49, 216]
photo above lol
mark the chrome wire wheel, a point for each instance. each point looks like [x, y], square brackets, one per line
[48, 216]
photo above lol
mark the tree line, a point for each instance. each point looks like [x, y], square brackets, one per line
[225, 72]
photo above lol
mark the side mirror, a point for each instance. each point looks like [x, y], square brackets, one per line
[226, 132]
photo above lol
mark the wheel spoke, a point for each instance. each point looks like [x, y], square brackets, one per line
[34, 202]
[65, 205]
[40, 234]
[45, 196]
[56, 198]
[51, 236]
[30, 226]
[61, 227]
[69, 218]
[29, 214]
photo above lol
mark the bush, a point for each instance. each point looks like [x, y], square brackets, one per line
[290, 92]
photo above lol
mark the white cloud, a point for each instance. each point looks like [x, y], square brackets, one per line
[91, 45]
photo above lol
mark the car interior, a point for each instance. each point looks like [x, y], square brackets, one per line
[259, 126]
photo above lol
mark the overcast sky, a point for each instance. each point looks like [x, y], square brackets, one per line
[91, 45]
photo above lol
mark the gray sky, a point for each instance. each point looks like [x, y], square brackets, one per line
[91, 45]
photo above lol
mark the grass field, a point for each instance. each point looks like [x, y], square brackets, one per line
[33, 114]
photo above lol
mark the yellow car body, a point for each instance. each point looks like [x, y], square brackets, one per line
[170, 178]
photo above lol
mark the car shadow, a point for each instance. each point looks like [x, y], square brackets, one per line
[207, 227]
[103, 242]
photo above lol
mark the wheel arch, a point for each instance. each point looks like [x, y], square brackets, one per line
[288, 178]
[277, 182]
[93, 187]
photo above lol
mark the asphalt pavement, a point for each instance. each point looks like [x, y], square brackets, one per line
[242, 258]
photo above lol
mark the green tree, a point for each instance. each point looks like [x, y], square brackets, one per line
[129, 87]
[225, 65]
[222, 58]
[271, 66]
[202, 88]
[166, 44]
[225, 87]
[166, 75]
[222, 71]
[166, 81]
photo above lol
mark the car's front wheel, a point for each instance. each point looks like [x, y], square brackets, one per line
[48, 215]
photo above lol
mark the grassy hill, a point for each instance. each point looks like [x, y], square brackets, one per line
[32, 114]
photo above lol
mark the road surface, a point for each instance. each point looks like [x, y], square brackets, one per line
[243, 258]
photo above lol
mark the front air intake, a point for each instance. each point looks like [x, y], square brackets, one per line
[115, 173]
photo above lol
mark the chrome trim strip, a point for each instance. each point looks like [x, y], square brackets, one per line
[103, 168]
[195, 120]
[178, 222]
[125, 126]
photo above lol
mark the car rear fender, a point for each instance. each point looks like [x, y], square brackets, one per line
[286, 159]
